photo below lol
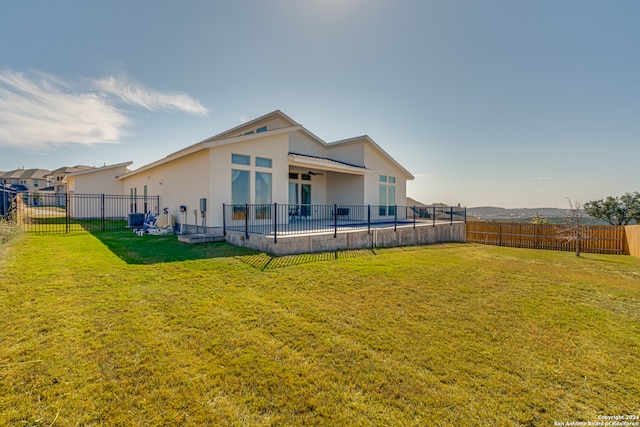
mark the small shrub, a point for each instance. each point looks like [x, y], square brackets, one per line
[8, 230]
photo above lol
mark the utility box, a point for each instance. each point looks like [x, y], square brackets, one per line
[203, 205]
[135, 220]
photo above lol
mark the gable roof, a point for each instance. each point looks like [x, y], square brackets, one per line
[252, 124]
[100, 169]
[367, 139]
[26, 174]
[248, 130]
[71, 169]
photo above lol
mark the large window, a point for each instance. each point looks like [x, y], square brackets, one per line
[263, 195]
[239, 192]
[387, 195]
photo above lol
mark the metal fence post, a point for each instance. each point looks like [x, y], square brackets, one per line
[275, 222]
[66, 212]
[395, 218]
[450, 215]
[335, 220]
[246, 220]
[434, 215]
[368, 219]
[224, 220]
[414, 217]
[102, 212]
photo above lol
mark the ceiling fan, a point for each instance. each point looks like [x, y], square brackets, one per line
[312, 173]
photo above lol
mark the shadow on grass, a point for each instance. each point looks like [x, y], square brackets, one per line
[264, 261]
[150, 249]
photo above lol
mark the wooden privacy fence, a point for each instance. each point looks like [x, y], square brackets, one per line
[602, 239]
[632, 240]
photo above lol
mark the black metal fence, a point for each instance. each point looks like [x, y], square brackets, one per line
[69, 212]
[7, 202]
[283, 219]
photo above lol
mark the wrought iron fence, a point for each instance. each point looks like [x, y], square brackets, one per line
[70, 212]
[284, 219]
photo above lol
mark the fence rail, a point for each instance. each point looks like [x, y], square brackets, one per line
[596, 238]
[284, 219]
[70, 212]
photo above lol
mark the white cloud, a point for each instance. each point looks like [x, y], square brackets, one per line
[38, 109]
[148, 99]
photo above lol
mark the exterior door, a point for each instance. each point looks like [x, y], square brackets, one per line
[305, 199]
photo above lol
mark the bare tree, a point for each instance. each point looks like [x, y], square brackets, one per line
[573, 229]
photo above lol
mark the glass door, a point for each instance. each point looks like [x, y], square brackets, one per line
[305, 199]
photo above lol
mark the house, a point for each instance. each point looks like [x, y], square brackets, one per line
[271, 159]
[86, 184]
[27, 179]
[57, 177]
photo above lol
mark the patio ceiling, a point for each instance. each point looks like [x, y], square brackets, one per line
[324, 164]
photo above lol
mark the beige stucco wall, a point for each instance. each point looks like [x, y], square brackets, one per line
[351, 152]
[98, 181]
[345, 189]
[379, 164]
[301, 143]
[181, 182]
[274, 147]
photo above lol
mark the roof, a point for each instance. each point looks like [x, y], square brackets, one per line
[246, 131]
[414, 202]
[26, 174]
[71, 169]
[100, 169]
[324, 163]
[19, 187]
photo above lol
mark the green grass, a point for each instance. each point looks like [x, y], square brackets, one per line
[115, 329]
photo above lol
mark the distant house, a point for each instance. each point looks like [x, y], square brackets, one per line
[271, 159]
[27, 179]
[58, 176]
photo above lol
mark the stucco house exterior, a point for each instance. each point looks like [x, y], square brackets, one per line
[271, 159]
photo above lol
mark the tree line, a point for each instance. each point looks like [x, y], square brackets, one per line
[620, 210]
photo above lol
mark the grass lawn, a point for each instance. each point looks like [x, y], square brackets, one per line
[112, 329]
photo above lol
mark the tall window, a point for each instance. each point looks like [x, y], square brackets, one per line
[263, 195]
[387, 195]
[239, 192]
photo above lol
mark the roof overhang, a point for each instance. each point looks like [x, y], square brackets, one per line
[324, 164]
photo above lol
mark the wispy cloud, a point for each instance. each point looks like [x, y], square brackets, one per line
[38, 109]
[149, 99]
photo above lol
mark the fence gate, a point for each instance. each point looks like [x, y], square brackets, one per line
[71, 213]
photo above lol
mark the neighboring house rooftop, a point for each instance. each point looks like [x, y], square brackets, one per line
[71, 169]
[19, 187]
[414, 202]
[26, 174]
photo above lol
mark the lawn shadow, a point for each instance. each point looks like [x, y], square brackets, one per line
[263, 261]
[148, 249]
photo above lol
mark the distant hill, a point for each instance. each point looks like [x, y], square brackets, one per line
[492, 213]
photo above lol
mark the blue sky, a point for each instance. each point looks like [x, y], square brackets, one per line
[503, 103]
